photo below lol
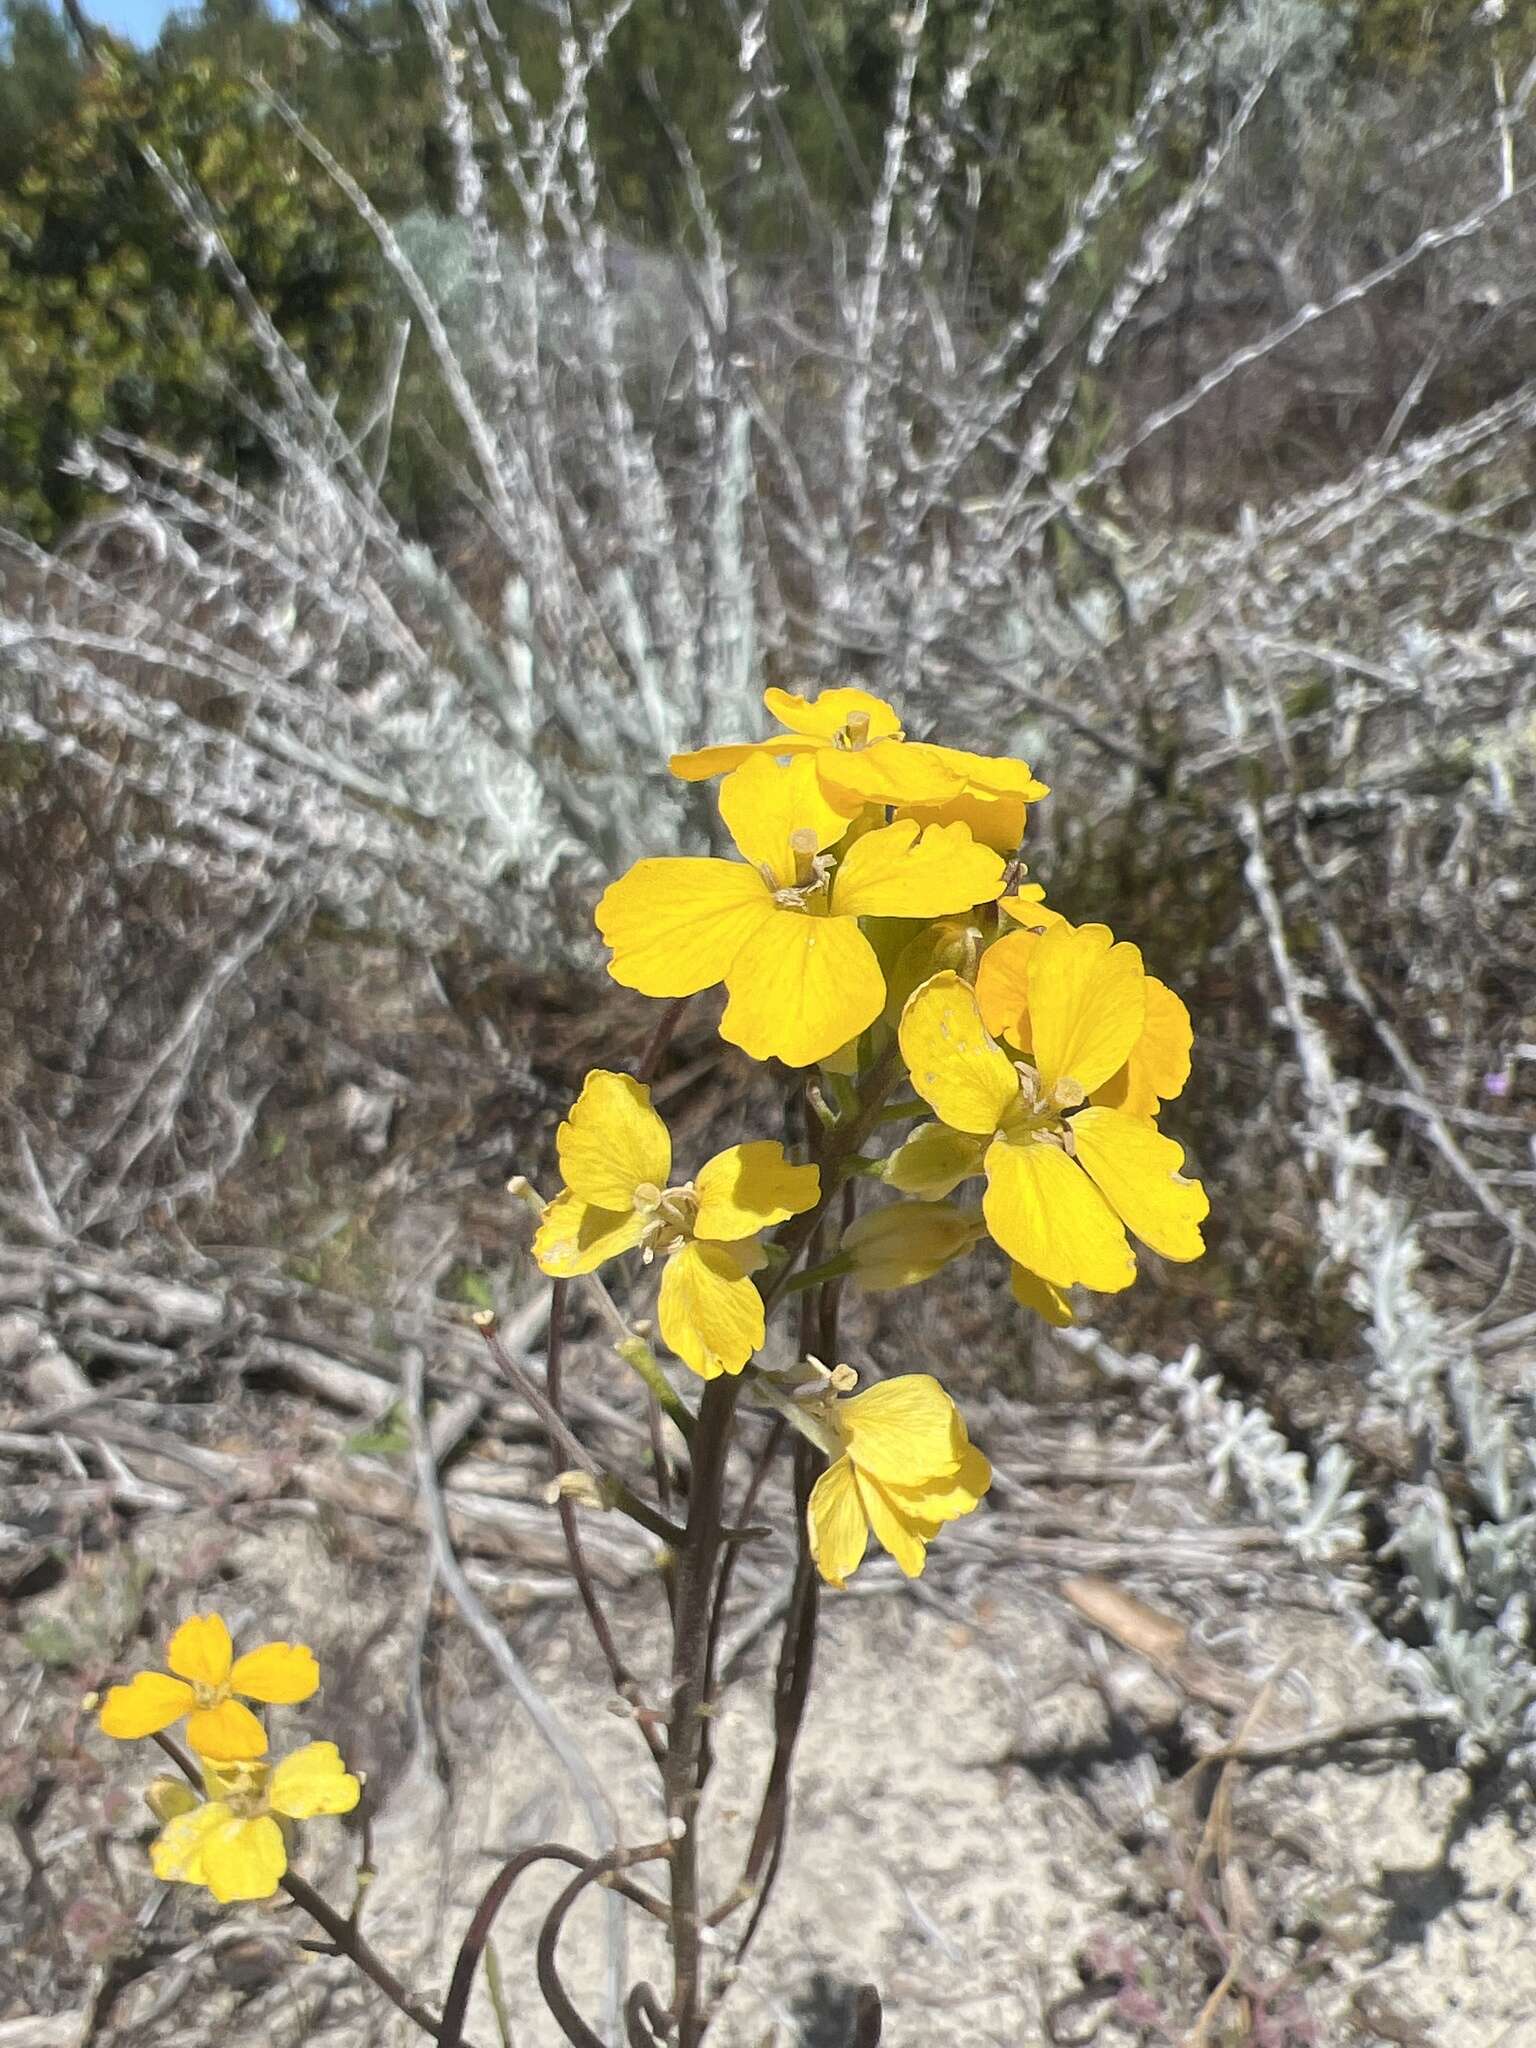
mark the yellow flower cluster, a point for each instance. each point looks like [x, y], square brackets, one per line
[232, 1838]
[877, 921]
[616, 1161]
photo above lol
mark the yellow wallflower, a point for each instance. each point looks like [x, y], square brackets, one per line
[780, 928]
[1157, 1066]
[1066, 1176]
[616, 1161]
[901, 1246]
[207, 1673]
[860, 756]
[232, 1842]
[906, 1466]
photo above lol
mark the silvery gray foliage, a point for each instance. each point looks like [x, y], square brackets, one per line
[1247, 1460]
[680, 480]
[1468, 1572]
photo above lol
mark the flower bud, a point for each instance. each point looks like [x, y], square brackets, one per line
[167, 1798]
[580, 1487]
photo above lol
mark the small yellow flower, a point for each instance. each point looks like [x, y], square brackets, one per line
[1066, 1176]
[616, 1161]
[207, 1673]
[1157, 1066]
[861, 756]
[906, 1466]
[232, 1842]
[781, 927]
[901, 1246]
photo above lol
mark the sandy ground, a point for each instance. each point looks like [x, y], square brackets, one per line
[1001, 1819]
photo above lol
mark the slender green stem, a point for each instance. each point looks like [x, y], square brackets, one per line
[813, 1276]
[898, 1112]
[837, 1160]
[637, 1354]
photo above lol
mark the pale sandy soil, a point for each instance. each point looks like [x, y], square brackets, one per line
[994, 1803]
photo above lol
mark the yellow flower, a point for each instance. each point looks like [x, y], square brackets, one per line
[232, 1842]
[781, 927]
[901, 1246]
[906, 1466]
[1066, 1176]
[616, 1161]
[861, 756]
[1157, 1066]
[201, 1655]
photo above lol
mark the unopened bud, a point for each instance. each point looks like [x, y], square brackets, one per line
[167, 1798]
[580, 1487]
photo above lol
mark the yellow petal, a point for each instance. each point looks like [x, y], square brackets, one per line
[227, 1730]
[895, 871]
[801, 987]
[764, 801]
[675, 925]
[1159, 1063]
[995, 775]
[150, 1702]
[750, 1187]
[1045, 1212]
[242, 1859]
[176, 1853]
[947, 1499]
[838, 1525]
[825, 717]
[573, 1237]
[1087, 1004]
[313, 1780]
[1028, 908]
[709, 1312]
[906, 1430]
[201, 1651]
[897, 1530]
[900, 1246]
[1137, 1170]
[967, 1080]
[706, 762]
[613, 1142]
[282, 1674]
[1030, 1291]
[888, 772]
[934, 1160]
[1002, 987]
[995, 821]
